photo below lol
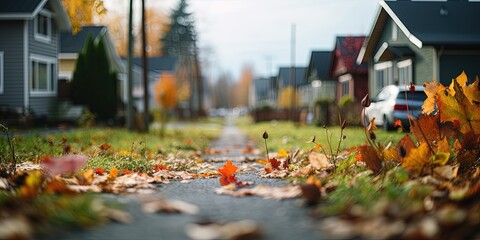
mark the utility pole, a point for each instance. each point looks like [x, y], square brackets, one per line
[292, 75]
[146, 114]
[130, 117]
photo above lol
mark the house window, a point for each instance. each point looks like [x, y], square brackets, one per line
[43, 26]
[42, 75]
[345, 88]
[1, 72]
[344, 81]
[383, 76]
[405, 73]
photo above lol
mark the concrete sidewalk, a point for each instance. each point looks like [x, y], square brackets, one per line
[278, 219]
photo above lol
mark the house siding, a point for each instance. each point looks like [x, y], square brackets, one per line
[42, 105]
[423, 69]
[11, 44]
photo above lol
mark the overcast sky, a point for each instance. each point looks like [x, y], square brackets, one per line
[235, 33]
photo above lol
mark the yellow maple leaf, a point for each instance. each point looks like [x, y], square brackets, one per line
[471, 91]
[431, 89]
[454, 106]
[417, 159]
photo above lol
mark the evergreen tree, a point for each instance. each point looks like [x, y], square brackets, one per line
[93, 85]
[179, 40]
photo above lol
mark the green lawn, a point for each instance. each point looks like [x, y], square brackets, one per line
[33, 146]
[286, 135]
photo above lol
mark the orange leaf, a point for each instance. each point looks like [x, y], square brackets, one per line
[228, 170]
[85, 178]
[113, 173]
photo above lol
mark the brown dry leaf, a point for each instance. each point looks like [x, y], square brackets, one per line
[368, 155]
[447, 172]
[243, 229]
[169, 206]
[404, 146]
[319, 160]
[426, 128]
[275, 193]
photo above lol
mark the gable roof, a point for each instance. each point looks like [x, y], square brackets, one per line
[435, 23]
[158, 64]
[27, 10]
[20, 7]
[319, 65]
[346, 50]
[72, 44]
[284, 76]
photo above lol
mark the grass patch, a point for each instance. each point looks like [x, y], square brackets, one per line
[287, 135]
[97, 143]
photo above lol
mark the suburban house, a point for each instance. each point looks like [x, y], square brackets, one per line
[288, 77]
[351, 78]
[72, 44]
[323, 87]
[413, 41]
[29, 48]
[156, 67]
[262, 93]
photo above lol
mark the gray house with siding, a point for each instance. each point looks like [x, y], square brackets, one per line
[29, 48]
[417, 41]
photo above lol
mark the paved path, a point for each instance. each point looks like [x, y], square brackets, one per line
[278, 219]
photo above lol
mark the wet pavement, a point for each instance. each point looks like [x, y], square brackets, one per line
[285, 219]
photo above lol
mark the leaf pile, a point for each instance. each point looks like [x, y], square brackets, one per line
[422, 187]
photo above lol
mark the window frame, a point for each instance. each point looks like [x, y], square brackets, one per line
[386, 69]
[40, 36]
[51, 76]
[345, 82]
[405, 65]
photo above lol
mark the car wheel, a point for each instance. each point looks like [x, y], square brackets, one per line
[386, 125]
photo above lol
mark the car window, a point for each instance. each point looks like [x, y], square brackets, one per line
[415, 96]
[382, 95]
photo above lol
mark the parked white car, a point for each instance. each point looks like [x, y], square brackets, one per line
[391, 104]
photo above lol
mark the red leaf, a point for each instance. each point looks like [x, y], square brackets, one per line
[100, 171]
[159, 167]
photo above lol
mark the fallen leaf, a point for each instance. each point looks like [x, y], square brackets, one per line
[64, 164]
[169, 206]
[243, 229]
[368, 155]
[228, 173]
[319, 160]
[85, 178]
[276, 193]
